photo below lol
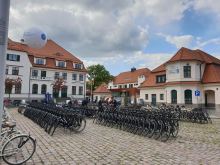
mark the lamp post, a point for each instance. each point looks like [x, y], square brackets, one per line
[4, 19]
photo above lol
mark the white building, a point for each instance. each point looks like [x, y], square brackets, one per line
[127, 83]
[189, 77]
[39, 68]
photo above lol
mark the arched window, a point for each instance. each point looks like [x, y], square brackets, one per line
[43, 89]
[34, 89]
[174, 97]
[188, 96]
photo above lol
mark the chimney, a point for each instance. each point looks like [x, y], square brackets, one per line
[133, 69]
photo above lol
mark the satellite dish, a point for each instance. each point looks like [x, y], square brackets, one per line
[35, 38]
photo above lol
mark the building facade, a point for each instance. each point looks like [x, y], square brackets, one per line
[39, 68]
[126, 84]
[190, 77]
[102, 92]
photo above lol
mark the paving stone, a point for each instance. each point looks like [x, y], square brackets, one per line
[196, 144]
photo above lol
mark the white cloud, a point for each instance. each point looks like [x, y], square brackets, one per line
[201, 43]
[178, 41]
[149, 60]
[207, 6]
[93, 28]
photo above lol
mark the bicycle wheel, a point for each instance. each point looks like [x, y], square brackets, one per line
[18, 149]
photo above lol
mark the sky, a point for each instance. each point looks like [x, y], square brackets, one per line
[121, 34]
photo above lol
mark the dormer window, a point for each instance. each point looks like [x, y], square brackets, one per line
[161, 79]
[78, 66]
[39, 61]
[61, 64]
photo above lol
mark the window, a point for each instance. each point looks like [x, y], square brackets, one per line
[125, 86]
[13, 57]
[34, 89]
[146, 96]
[73, 90]
[81, 77]
[64, 75]
[161, 96]
[187, 71]
[57, 75]
[34, 73]
[18, 89]
[74, 76]
[130, 85]
[39, 61]
[61, 64]
[161, 79]
[80, 90]
[43, 73]
[120, 86]
[6, 70]
[15, 70]
[43, 89]
[78, 66]
[188, 96]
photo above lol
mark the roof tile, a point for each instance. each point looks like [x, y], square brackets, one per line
[131, 77]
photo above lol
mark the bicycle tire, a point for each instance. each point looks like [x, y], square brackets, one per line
[20, 141]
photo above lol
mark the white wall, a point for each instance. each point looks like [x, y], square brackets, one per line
[24, 68]
[216, 89]
[69, 82]
[151, 91]
[181, 93]
[174, 71]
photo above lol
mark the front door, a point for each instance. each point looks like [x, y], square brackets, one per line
[174, 97]
[153, 99]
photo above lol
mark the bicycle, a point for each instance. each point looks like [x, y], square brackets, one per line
[15, 147]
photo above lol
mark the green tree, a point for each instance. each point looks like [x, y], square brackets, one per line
[9, 83]
[97, 74]
[58, 85]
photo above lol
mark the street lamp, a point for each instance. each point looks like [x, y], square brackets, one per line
[34, 38]
[92, 81]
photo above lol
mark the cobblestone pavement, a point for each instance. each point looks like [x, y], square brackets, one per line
[196, 144]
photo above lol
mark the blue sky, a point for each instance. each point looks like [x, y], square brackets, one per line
[121, 34]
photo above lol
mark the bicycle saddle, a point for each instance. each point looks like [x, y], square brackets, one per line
[8, 124]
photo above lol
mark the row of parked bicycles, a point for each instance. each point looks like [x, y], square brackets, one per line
[159, 124]
[194, 115]
[50, 117]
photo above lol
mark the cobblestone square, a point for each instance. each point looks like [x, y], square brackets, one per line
[196, 144]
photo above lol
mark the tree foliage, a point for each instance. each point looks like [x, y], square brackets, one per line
[10, 82]
[98, 75]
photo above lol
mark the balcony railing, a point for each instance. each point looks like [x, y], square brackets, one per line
[41, 78]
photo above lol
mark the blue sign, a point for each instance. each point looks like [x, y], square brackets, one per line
[197, 93]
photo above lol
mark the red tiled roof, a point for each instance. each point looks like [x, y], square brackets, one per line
[151, 80]
[51, 51]
[160, 68]
[185, 54]
[102, 89]
[211, 74]
[131, 77]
